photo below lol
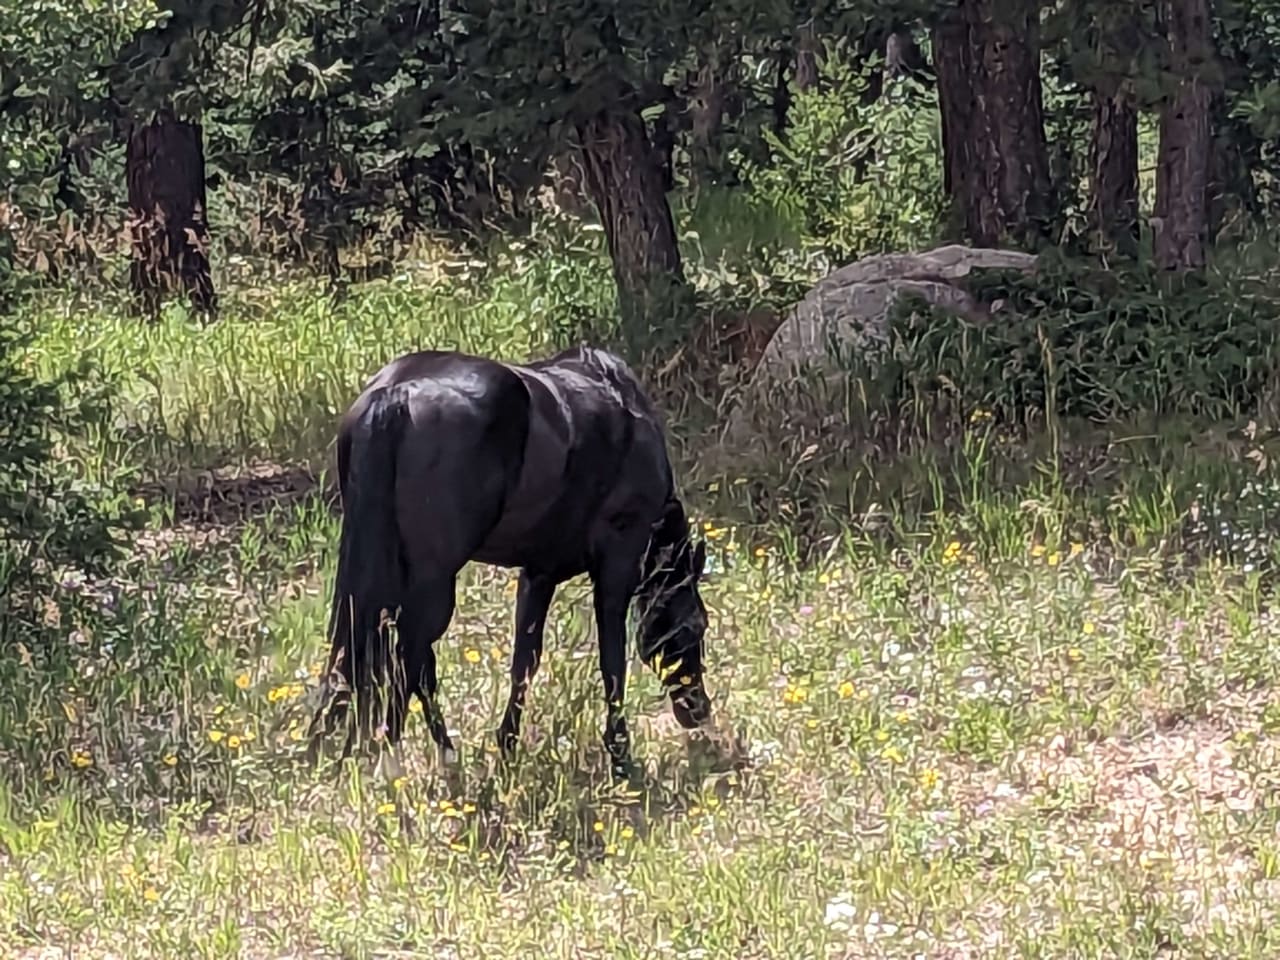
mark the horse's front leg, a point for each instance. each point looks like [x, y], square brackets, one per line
[612, 593]
[533, 600]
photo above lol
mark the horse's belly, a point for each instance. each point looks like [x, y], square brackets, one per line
[536, 539]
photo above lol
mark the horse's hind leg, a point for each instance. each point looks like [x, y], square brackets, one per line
[532, 602]
[424, 617]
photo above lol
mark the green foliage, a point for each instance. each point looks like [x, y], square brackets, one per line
[50, 516]
[1079, 341]
[861, 178]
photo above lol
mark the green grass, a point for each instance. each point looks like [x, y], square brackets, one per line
[939, 754]
[994, 700]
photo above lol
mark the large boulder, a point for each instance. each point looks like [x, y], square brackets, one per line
[849, 311]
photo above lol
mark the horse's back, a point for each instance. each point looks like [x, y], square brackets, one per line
[528, 461]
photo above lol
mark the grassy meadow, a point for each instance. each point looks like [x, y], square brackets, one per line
[1011, 698]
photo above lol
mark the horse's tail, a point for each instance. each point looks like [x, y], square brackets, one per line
[370, 578]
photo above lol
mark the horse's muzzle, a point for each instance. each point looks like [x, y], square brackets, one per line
[690, 705]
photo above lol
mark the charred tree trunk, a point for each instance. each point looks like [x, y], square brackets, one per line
[1181, 218]
[624, 180]
[1113, 167]
[164, 170]
[996, 165]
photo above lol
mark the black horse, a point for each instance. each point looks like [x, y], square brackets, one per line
[557, 467]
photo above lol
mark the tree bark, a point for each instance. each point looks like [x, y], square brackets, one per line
[706, 109]
[1113, 166]
[807, 47]
[624, 181]
[996, 165]
[781, 93]
[1181, 217]
[902, 57]
[164, 171]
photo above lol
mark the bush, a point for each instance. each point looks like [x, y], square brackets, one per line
[859, 178]
[50, 517]
[1082, 341]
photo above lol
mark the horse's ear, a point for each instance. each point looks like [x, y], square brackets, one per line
[700, 558]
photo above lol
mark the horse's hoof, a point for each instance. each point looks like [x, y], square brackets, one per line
[507, 740]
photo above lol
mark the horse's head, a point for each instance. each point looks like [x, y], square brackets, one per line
[672, 618]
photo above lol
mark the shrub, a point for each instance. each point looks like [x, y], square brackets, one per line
[859, 178]
[1081, 341]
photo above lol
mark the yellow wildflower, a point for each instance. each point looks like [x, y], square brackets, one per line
[151, 894]
[892, 754]
[215, 736]
[1088, 628]
[80, 759]
[794, 694]
[1075, 654]
[1053, 559]
[610, 849]
[243, 681]
[1037, 550]
[1076, 549]
[170, 760]
[902, 716]
[233, 742]
[759, 551]
[845, 690]
[472, 655]
[386, 809]
[628, 832]
[929, 778]
[468, 808]
[598, 827]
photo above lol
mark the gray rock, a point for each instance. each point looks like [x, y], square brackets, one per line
[848, 311]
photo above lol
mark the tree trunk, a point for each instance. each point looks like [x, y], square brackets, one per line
[781, 93]
[625, 183]
[807, 47]
[902, 57]
[706, 109]
[1180, 220]
[566, 178]
[1113, 167]
[996, 166]
[164, 170]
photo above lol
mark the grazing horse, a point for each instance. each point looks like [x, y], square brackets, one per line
[557, 467]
